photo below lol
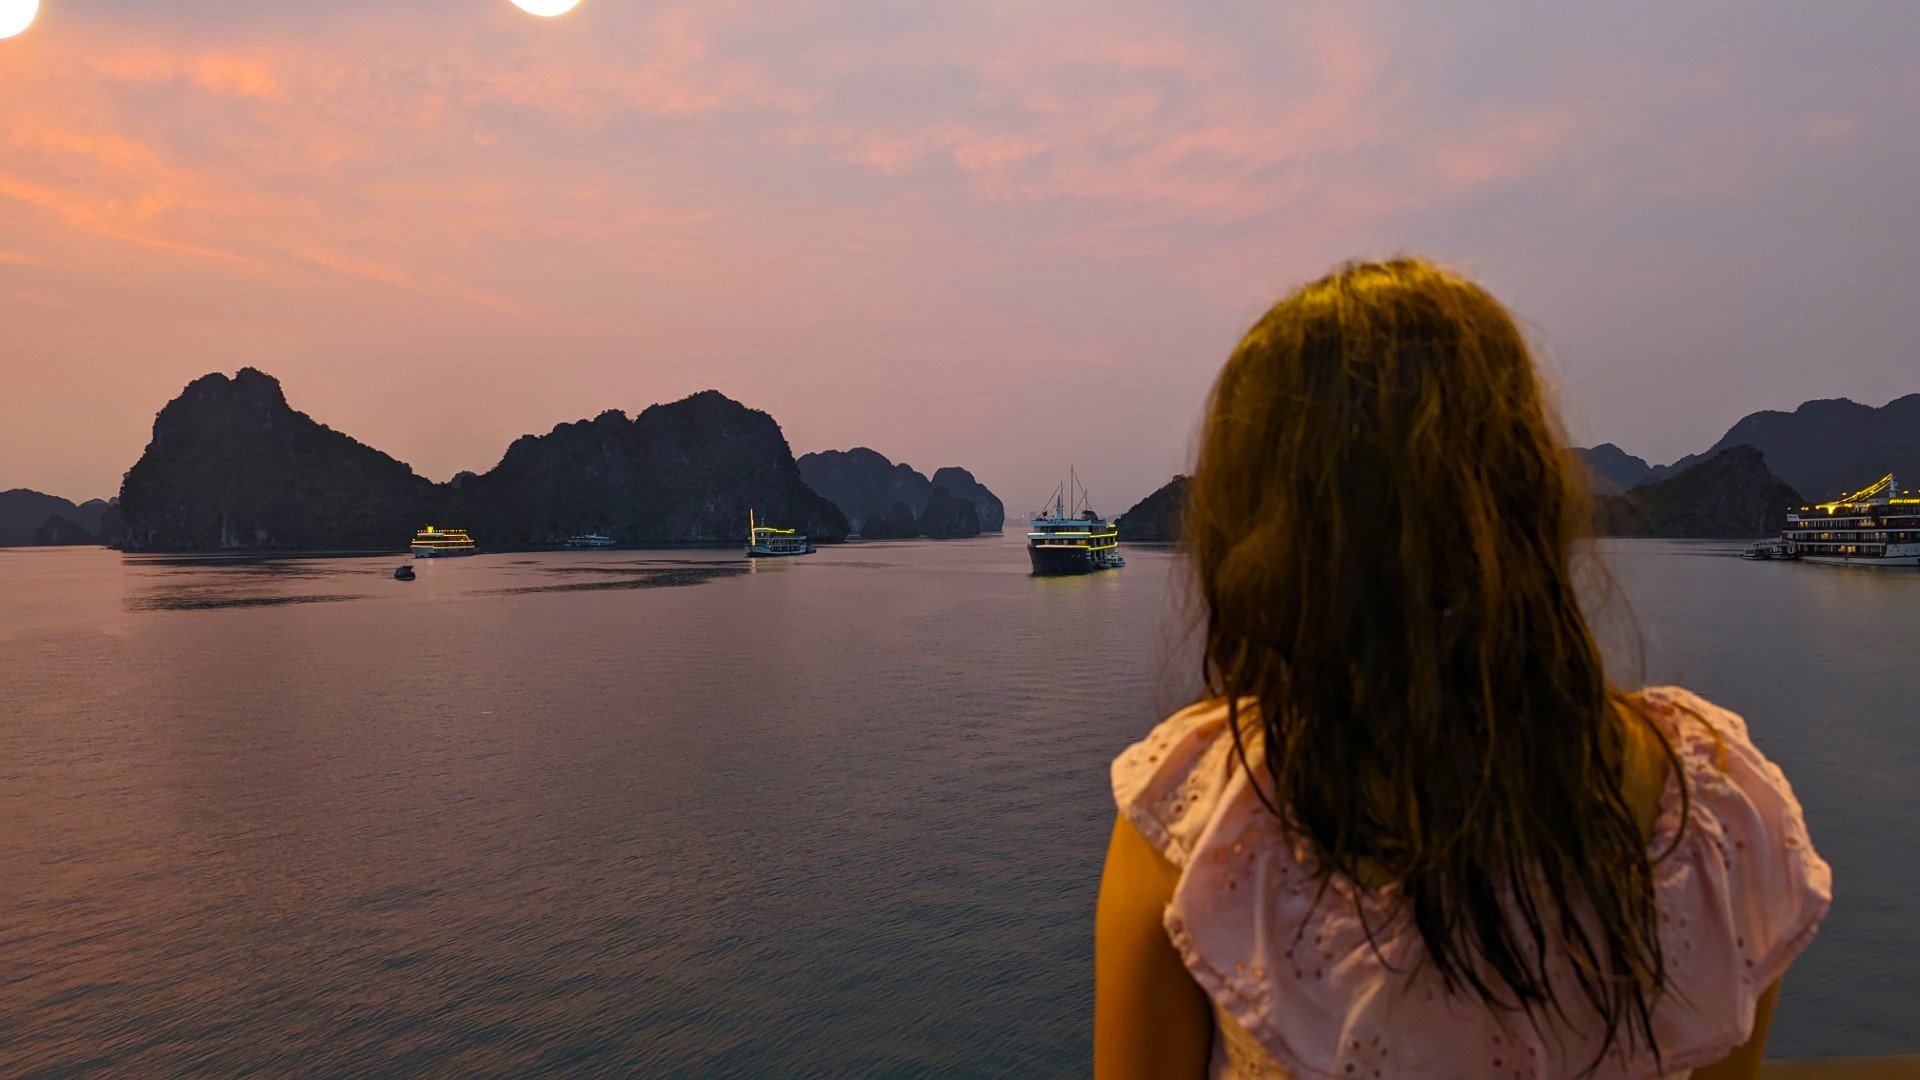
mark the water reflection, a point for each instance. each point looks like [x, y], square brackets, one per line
[539, 814]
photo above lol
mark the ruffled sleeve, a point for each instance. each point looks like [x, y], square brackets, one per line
[1745, 891]
[1169, 783]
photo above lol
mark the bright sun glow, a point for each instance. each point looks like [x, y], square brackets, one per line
[17, 15]
[533, 7]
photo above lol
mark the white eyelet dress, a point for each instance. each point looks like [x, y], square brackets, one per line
[1299, 992]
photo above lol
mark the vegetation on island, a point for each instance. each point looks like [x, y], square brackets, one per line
[1156, 518]
[232, 465]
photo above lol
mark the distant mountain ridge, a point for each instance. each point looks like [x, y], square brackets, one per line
[1613, 469]
[1731, 495]
[232, 465]
[888, 500]
[1822, 449]
[27, 517]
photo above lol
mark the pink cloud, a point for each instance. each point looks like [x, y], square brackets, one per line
[1834, 129]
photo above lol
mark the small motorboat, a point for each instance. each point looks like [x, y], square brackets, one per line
[404, 573]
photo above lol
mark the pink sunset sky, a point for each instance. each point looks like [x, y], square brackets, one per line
[1009, 235]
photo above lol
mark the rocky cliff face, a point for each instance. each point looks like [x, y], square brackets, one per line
[868, 486]
[1157, 517]
[987, 507]
[687, 471]
[232, 465]
[1730, 495]
[864, 483]
[58, 531]
[898, 523]
[949, 516]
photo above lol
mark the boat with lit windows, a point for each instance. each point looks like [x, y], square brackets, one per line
[765, 541]
[1069, 538]
[1879, 525]
[432, 543]
[589, 540]
[1769, 551]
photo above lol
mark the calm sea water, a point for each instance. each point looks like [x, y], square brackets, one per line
[676, 814]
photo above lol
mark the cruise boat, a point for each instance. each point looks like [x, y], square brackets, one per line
[1069, 538]
[589, 540]
[764, 541]
[432, 543]
[1879, 525]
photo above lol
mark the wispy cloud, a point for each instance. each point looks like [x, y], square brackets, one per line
[885, 194]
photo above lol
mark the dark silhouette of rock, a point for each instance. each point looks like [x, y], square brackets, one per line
[1729, 495]
[1824, 448]
[23, 512]
[896, 524]
[57, 530]
[685, 471]
[1612, 470]
[866, 484]
[987, 507]
[232, 465]
[90, 513]
[1158, 517]
[949, 516]
[108, 530]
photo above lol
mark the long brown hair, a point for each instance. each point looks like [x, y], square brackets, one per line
[1382, 524]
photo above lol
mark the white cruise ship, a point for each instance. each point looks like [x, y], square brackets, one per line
[1879, 525]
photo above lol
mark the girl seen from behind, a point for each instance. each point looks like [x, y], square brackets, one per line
[1414, 830]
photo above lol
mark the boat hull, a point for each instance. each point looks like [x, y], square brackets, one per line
[1063, 561]
[442, 553]
[768, 553]
[1892, 561]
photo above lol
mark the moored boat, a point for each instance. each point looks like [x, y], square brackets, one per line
[1767, 550]
[589, 540]
[764, 541]
[432, 543]
[1879, 525]
[1069, 538]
